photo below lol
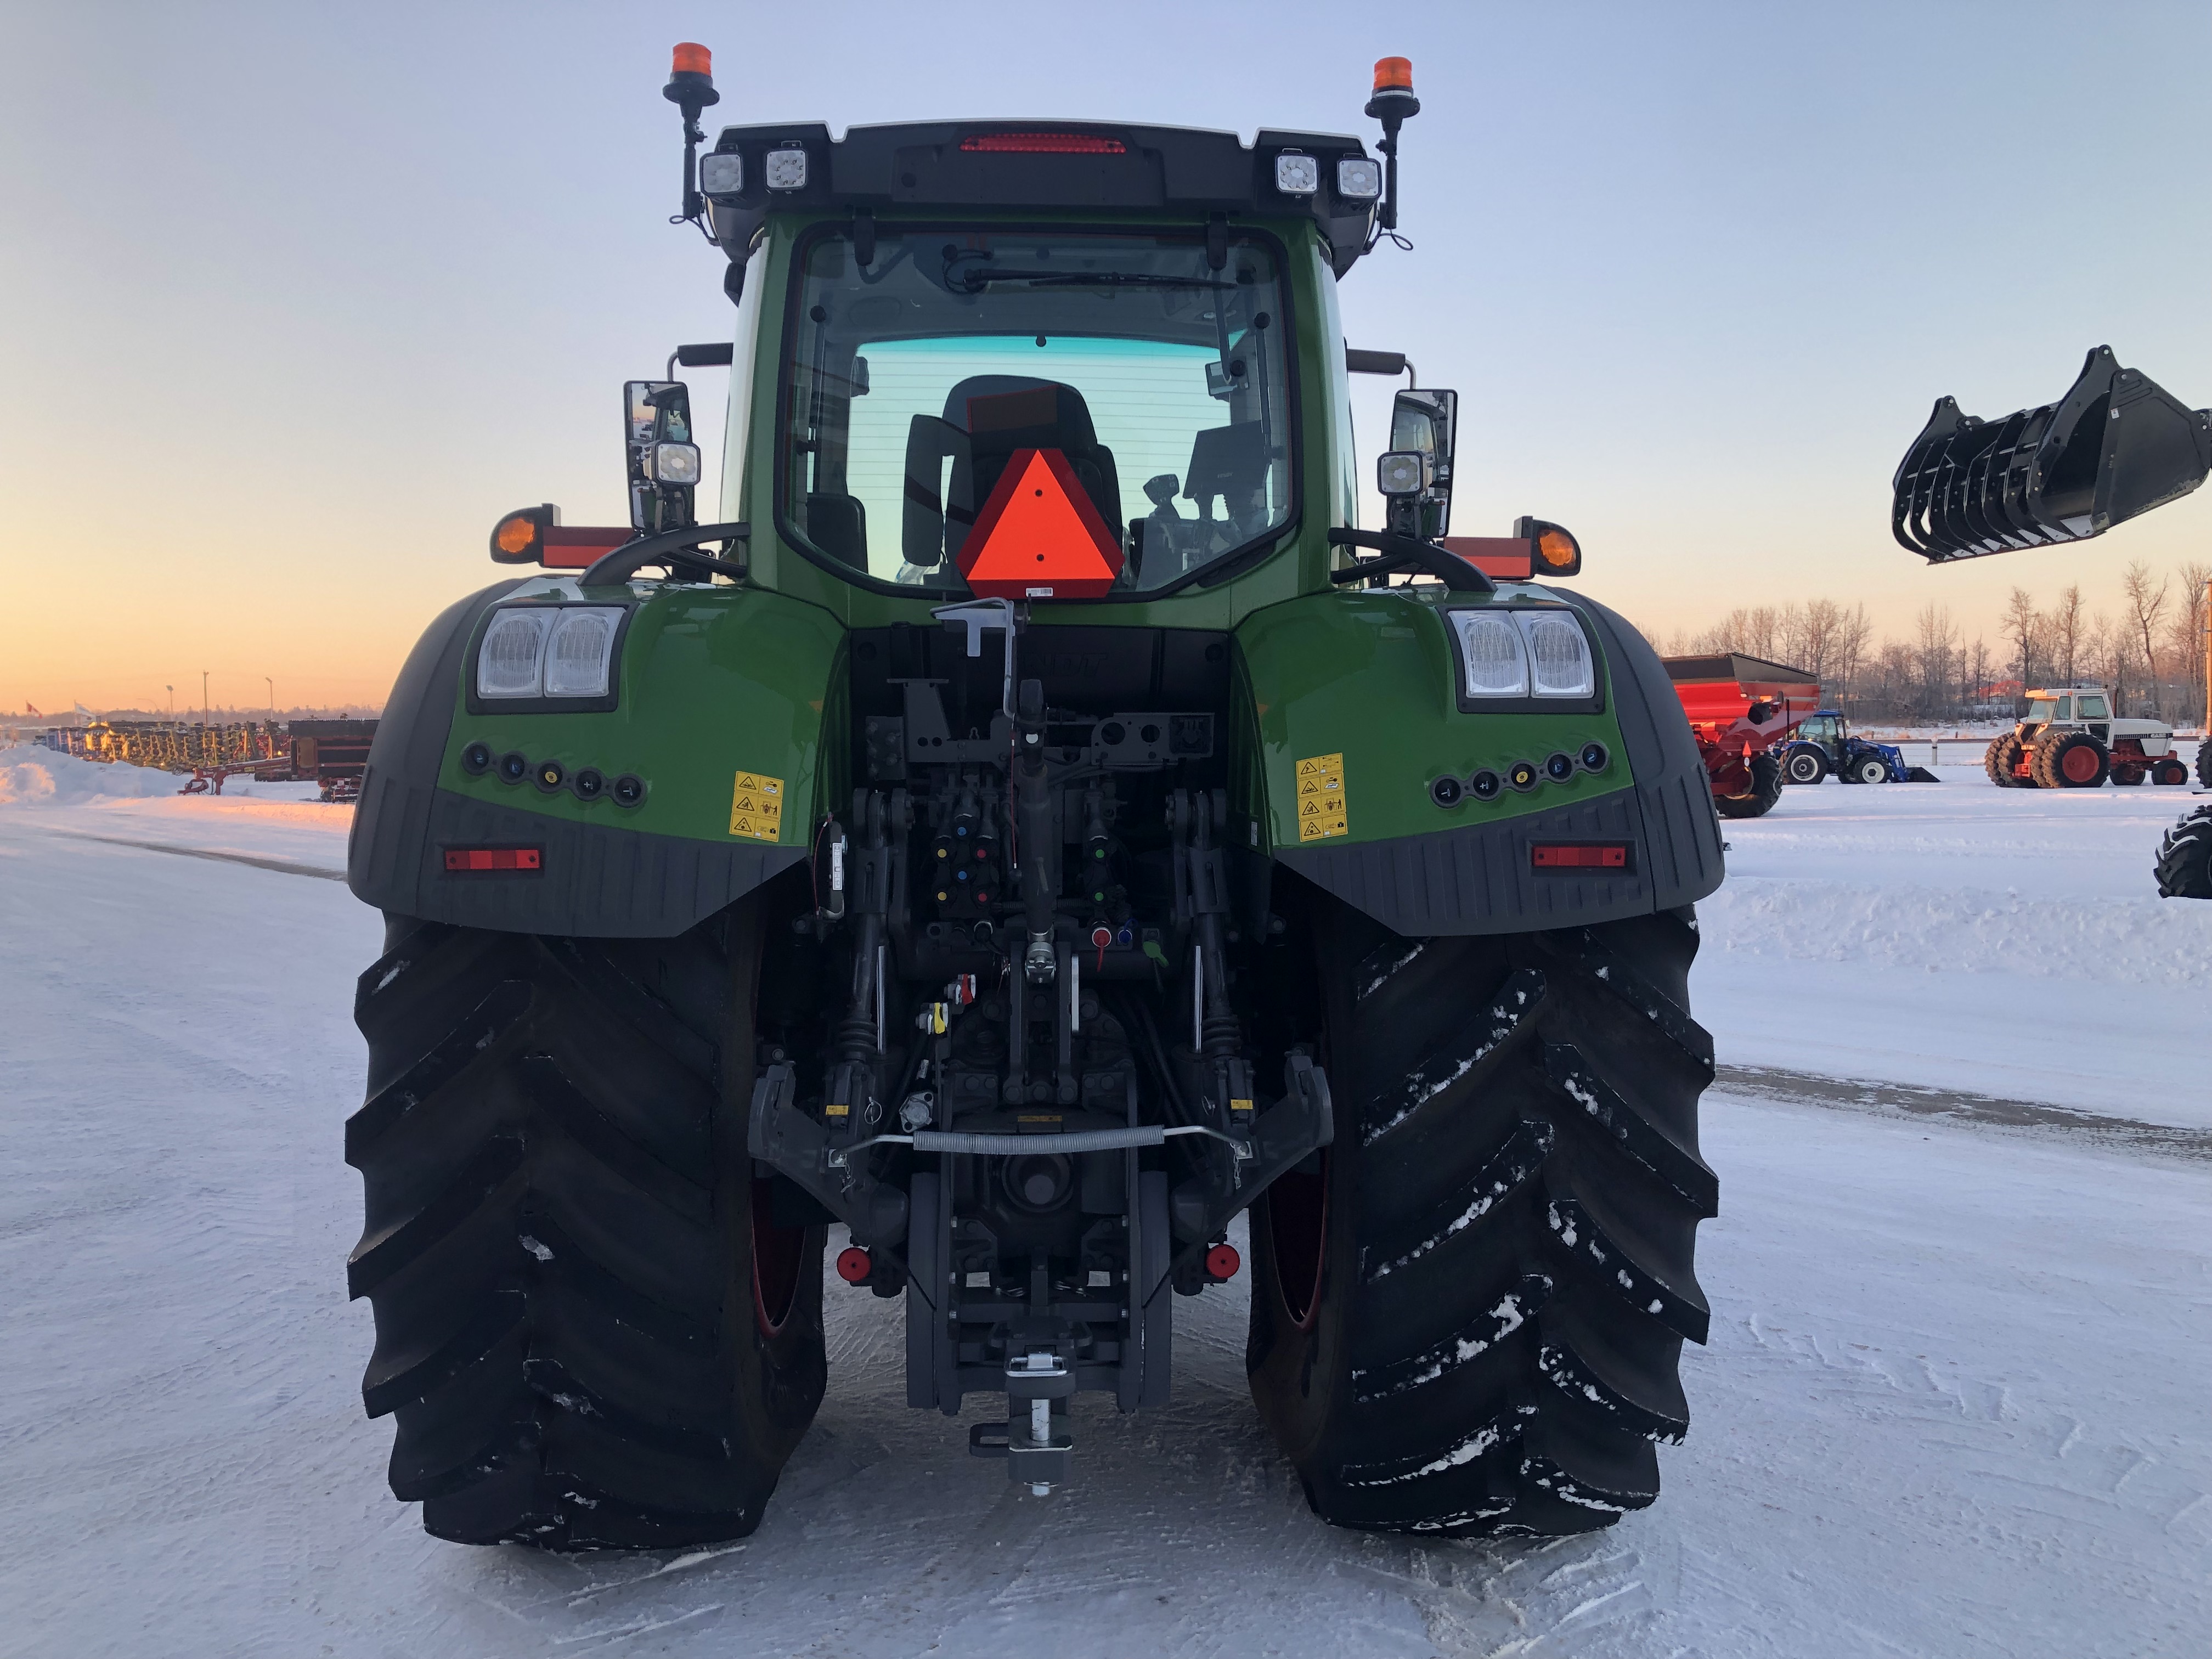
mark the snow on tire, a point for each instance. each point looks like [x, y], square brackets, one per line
[1470, 1319]
[588, 1329]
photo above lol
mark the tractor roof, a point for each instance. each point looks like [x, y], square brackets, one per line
[958, 166]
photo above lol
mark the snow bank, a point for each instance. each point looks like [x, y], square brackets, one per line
[31, 776]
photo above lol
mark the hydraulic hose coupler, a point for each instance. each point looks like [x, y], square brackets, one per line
[1040, 962]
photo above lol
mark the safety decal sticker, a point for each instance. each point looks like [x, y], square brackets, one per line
[756, 807]
[1322, 797]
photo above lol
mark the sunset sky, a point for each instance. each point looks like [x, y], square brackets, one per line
[300, 298]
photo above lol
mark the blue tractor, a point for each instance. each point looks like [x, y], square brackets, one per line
[1824, 744]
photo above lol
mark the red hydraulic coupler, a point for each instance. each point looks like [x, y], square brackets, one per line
[855, 1264]
[1222, 1262]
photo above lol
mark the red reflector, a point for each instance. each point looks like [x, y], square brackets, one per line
[1044, 143]
[855, 1265]
[580, 548]
[1222, 1262]
[465, 858]
[1507, 558]
[1585, 855]
[1039, 537]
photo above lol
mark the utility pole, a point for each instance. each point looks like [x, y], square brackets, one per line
[173, 704]
[207, 712]
[271, 684]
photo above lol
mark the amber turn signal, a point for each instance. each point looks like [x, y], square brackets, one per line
[1393, 75]
[1557, 552]
[519, 538]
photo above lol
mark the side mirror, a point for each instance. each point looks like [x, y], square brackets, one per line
[664, 462]
[1423, 422]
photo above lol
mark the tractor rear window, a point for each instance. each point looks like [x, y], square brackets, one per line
[911, 384]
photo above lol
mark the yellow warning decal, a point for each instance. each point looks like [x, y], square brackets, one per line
[1240, 1105]
[1322, 797]
[756, 807]
[835, 1109]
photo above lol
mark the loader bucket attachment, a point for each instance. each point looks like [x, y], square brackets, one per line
[2115, 446]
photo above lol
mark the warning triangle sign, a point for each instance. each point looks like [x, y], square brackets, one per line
[1039, 537]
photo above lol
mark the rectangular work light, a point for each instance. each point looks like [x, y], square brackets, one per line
[1297, 174]
[784, 169]
[530, 652]
[1524, 654]
[721, 175]
[1359, 179]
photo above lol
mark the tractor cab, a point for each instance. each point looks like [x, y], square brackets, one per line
[2082, 707]
[1827, 732]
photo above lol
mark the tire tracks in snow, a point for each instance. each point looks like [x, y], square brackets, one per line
[1911, 1100]
[282, 867]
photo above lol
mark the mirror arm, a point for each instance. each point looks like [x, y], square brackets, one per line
[672, 548]
[1398, 551]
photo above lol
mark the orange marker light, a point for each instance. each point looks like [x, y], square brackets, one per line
[516, 534]
[1391, 74]
[1558, 549]
[693, 59]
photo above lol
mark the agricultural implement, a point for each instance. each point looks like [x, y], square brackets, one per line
[2116, 444]
[1741, 709]
[1028, 824]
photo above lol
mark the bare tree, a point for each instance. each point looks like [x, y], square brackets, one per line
[1814, 645]
[1936, 640]
[1977, 689]
[2185, 641]
[2145, 607]
[1852, 634]
[2064, 626]
[1762, 629]
[2024, 631]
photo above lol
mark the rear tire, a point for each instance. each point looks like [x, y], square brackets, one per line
[2185, 858]
[589, 1328]
[2000, 759]
[1766, 790]
[2074, 760]
[2204, 764]
[1470, 1321]
[1806, 764]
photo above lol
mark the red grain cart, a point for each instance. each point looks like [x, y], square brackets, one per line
[1741, 708]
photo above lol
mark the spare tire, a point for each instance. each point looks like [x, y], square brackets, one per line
[2000, 759]
[2072, 760]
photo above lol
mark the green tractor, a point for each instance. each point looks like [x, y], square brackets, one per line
[1028, 825]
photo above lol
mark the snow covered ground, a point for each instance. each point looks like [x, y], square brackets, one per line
[2007, 941]
[1954, 1406]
